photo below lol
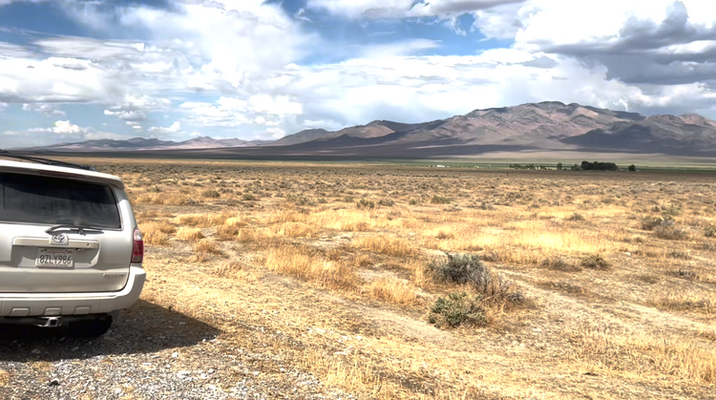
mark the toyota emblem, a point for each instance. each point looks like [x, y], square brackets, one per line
[60, 238]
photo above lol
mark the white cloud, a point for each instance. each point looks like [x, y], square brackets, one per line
[400, 48]
[6, 2]
[135, 115]
[66, 127]
[226, 112]
[61, 128]
[248, 55]
[454, 7]
[639, 41]
[44, 108]
[363, 8]
[355, 9]
[174, 128]
[278, 105]
[24, 80]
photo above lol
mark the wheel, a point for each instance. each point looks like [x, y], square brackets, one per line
[90, 328]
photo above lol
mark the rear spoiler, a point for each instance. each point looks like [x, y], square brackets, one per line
[60, 172]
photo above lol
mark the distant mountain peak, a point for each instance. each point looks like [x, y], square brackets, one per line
[547, 125]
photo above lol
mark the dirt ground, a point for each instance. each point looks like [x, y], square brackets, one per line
[322, 274]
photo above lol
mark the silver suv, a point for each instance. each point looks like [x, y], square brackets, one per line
[70, 250]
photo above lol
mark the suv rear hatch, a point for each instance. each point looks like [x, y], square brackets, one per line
[63, 232]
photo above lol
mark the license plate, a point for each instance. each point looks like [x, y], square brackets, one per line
[52, 257]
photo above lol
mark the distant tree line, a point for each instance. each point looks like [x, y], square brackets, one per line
[584, 166]
[598, 166]
[527, 166]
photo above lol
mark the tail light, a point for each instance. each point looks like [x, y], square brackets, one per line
[138, 247]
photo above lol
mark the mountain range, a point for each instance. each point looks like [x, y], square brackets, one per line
[545, 126]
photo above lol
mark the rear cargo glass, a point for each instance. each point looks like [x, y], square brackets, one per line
[42, 200]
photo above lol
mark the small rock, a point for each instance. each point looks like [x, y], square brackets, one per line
[36, 351]
[175, 354]
[256, 373]
[54, 382]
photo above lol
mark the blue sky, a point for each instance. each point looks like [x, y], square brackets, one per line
[73, 70]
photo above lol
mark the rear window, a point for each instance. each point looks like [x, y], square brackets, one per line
[42, 200]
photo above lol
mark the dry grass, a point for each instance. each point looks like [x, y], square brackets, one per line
[646, 354]
[189, 234]
[294, 230]
[230, 268]
[227, 232]
[206, 247]
[295, 261]
[333, 272]
[687, 302]
[386, 245]
[394, 290]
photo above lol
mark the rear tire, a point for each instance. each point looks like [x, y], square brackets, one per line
[90, 328]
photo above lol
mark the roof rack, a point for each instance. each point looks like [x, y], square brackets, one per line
[46, 161]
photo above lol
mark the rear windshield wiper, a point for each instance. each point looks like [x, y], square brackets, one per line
[79, 228]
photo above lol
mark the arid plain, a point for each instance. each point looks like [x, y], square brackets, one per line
[589, 285]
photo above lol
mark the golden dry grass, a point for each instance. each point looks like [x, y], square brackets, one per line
[302, 264]
[189, 234]
[386, 245]
[157, 233]
[333, 272]
[394, 290]
[206, 247]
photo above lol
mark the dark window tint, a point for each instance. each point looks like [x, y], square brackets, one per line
[41, 200]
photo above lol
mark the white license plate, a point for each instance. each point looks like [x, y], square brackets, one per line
[54, 257]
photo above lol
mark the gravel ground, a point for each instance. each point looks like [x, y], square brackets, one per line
[150, 353]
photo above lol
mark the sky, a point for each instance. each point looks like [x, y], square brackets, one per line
[75, 70]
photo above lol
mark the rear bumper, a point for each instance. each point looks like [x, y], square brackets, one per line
[64, 304]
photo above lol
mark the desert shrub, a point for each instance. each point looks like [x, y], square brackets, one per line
[467, 269]
[710, 231]
[670, 233]
[576, 217]
[440, 200]
[365, 204]
[386, 202]
[442, 235]
[672, 211]
[681, 255]
[212, 194]
[413, 202]
[248, 197]
[300, 200]
[595, 261]
[559, 264]
[485, 206]
[650, 223]
[458, 309]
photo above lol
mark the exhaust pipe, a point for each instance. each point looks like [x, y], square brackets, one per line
[50, 322]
